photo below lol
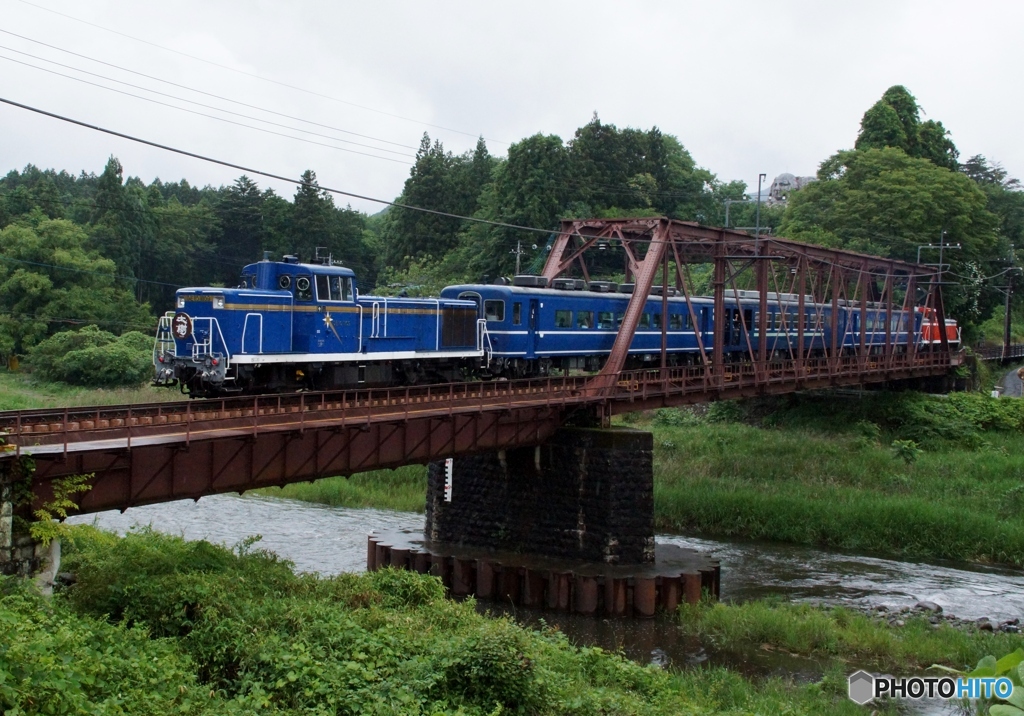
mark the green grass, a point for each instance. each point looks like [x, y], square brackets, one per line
[803, 487]
[403, 489]
[843, 634]
[18, 391]
[816, 472]
[156, 624]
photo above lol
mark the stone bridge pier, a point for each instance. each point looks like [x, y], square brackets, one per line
[567, 525]
[586, 495]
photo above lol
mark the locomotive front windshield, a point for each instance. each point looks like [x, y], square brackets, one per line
[333, 288]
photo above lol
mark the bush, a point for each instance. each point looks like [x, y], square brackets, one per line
[676, 417]
[55, 662]
[46, 359]
[94, 358]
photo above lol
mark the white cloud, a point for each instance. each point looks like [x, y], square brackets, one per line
[747, 87]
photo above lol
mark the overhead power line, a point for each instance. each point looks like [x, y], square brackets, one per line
[299, 182]
[256, 76]
[203, 114]
[86, 271]
[185, 87]
[269, 175]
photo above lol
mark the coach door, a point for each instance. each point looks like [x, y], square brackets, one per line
[531, 327]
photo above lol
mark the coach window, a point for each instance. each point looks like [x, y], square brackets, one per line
[618, 320]
[517, 313]
[584, 319]
[563, 319]
[494, 310]
[656, 320]
[675, 321]
[605, 321]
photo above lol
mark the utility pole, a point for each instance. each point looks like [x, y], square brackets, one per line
[757, 217]
[1006, 321]
[518, 251]
[730, 202]
[1009, 304]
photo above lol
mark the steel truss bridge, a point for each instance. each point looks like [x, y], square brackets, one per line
[145, 454]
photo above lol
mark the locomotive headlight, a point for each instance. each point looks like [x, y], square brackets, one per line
[181, 301]
[218, 302]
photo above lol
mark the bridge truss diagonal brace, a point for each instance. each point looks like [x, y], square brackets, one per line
[646, 269]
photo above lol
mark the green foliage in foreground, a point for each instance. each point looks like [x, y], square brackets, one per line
[94, 358]
[240, 633]
[403, 489]
[837, 632]
[53, 661]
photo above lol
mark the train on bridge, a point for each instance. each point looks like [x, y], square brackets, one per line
[293, 326]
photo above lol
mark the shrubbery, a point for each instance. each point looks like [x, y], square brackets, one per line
[959, 419]
[94, 358]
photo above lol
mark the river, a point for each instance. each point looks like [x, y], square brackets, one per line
[329, 540]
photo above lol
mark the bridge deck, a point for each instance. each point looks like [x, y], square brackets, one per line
[141, 454]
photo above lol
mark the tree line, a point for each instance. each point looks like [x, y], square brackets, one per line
[109, 251]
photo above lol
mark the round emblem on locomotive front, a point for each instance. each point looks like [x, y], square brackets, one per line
[181, 325]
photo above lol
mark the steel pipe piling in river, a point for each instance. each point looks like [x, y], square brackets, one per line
[678, 575]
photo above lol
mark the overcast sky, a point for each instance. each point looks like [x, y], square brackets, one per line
[747, 87]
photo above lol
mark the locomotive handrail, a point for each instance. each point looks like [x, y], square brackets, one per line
[197, 346]
[360, 348]
[245, 327]
[483, 339]
[164, 337]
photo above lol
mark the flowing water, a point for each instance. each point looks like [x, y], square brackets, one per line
[330, 540]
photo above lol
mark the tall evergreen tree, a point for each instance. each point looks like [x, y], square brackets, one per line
[895, 121]
[240, 210]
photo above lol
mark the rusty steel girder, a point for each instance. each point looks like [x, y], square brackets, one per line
[173, 470]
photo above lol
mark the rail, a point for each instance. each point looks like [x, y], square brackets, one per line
[206, 419]
[1011, 352]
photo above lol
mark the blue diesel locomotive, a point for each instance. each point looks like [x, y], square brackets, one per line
[293, 326]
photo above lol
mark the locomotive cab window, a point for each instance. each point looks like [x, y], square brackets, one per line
[494, 310]
[563, 319]
[333, 288]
